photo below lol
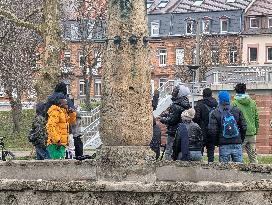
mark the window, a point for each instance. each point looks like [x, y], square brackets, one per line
[148, 4]
[189, 27]
[206, 26]
[81, 59]
[269, 53]
[97, 87]
[66, 59]
[179, 56]
[155, 28]
[163, 3]
[162, 57]
[215, 55]
[90, 30]
[233, 55]
[68, 88]
[162, 81]
[82, 90]
[254, 23]
[194, 56]
[252, 53]
[224, 25]
[74, 32]
[97, 56]
[269, 22]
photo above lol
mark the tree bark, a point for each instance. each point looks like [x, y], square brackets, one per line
[126, 113]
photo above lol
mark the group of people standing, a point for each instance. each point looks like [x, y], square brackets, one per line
[228, 124]
[53, 122]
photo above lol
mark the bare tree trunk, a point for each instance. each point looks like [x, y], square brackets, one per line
[16, 110]
[50, 74]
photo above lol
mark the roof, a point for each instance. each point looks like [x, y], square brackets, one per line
[189, 6]
[260, 7]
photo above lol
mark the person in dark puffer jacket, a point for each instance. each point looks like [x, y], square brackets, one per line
[189, 139]
[228, 147]
[38, 133]
[172, 118]
[203, 109]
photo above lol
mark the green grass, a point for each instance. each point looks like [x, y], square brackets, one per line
[16, 141]
[262, 159]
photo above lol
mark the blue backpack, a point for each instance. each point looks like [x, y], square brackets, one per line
[229, 125]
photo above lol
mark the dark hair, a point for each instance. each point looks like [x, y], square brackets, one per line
[61, 88]
[207, 92]
[240, 88]
[40, 109]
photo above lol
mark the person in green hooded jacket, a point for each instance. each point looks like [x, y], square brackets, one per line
[250, 112]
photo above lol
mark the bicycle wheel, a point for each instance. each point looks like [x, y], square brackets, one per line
[9, 155]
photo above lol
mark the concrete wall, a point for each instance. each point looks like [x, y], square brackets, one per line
[130, 176]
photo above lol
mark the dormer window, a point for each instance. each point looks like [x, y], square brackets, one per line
[163, 3]
[253, 23]
[206, 25]
[155, 28]
[189, 27]
[270, 22]
[224, 24]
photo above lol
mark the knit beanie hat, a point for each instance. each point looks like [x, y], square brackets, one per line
[183, 91]
[224, 97]
[188, 114]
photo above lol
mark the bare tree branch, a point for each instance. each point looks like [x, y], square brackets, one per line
[18, 22]
[35, 11]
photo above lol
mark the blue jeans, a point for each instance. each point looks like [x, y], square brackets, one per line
[194, 156]
[42, 153]
[232, 152]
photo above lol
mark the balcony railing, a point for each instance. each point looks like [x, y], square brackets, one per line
[239, 74]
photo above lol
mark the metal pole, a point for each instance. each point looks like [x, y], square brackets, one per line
[198, 30]
[193, 89]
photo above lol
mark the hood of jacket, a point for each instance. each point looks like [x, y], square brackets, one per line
[183, 102]
[243, 99]
[210, 101]
[53, 108]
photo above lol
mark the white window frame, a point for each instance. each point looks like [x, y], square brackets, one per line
[249, 60]
[203, 26]
[267, 53]
[162, 57]
[250, 22]
[215, 51]
[155, 26]
[162, 81]
[74, 32]
[82, 92]
[232, 53]
[179, 56]
[97, 87]
[66, 65]
[270, 18]
[90, 30]
[98, 60]
[192, 26]
[80, 55]
[221, 25]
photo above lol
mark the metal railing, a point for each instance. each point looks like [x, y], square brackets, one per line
[239, 74]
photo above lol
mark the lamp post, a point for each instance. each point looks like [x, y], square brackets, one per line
[193, 69]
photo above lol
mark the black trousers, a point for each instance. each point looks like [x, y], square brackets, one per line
[78, 146]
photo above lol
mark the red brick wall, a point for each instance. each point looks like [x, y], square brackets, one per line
[264, 138]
